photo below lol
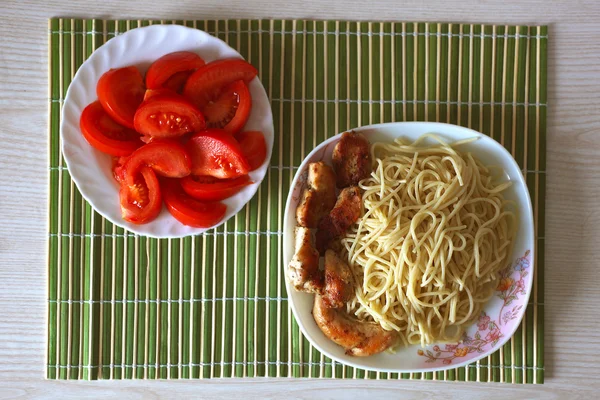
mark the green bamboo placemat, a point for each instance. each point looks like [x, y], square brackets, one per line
[125, 306]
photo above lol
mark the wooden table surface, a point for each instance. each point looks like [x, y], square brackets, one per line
[573, 194]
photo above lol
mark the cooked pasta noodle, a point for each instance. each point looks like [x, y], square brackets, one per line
[435, 234]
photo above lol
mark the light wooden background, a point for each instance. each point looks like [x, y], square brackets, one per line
[573, 194]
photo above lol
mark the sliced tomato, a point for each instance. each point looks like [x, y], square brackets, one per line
[216, 153]
[177, 81]
[120, 92]
[207, 188]
[118, 168]
[208, 81]
[170, 64]
[166, 157]
[254, 147]
[153, 92]
[189, 211]
[146, 139]
[230, 109]
[104, 134]
[141, 200]
[167, 115]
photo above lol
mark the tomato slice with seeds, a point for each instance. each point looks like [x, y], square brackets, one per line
[207, 188]
[141, 200]
[166, 157]
[121, 91]
[230, 109]
[208, 81]
[216, 153]
[167, 115]
[254, 147]
[189, 211]
[166, 67]
[104, 134]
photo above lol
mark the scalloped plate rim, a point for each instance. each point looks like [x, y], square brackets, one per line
[261, 116]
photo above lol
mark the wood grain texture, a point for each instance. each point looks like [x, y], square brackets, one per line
[572, 206]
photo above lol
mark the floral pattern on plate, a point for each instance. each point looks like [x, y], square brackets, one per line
[510, 288]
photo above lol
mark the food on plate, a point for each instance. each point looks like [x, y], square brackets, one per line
[333, 284]
[414, 246]
[230, 109]
[303, 271]
[121, 91]
[118, 168]
[172, 70]
[253, 147]
[106, 135]
[216, 153]
[176, 82]
[173, 147]
[167, 115]
[208, 188]
[141, 199]
[339, 282]
[351, 159]
[435, 234]
[207, 83]
[188, 210]
[318, 197]
[347, 211]
[166, 157]
[358, 338]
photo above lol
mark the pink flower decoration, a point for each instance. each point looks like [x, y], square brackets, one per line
[493, 335]
[521, 286]
[511, 285]
[484, 320]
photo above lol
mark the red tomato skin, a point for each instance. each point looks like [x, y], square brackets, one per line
[121, 91]
[154, 92]
[177, 81]
[188, 210]
[244, 108]
[96, 126]
[214, 76]
[212, 189]
[134, 213]
[254, 147]
[233, 96]
[167, 115]
[166, 157]
[170, 64]
[216, 153]
[118, 168]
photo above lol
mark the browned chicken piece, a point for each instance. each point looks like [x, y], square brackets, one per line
[318, 197]
[347, 211]
[351, 159]
[339, 282]
[358, 338]
[303, 271]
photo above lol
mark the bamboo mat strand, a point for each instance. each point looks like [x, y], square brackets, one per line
[123, 306]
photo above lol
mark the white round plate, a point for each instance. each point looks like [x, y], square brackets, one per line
[504, 311]
[91, 169]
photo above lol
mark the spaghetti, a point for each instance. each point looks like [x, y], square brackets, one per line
[435, 234]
